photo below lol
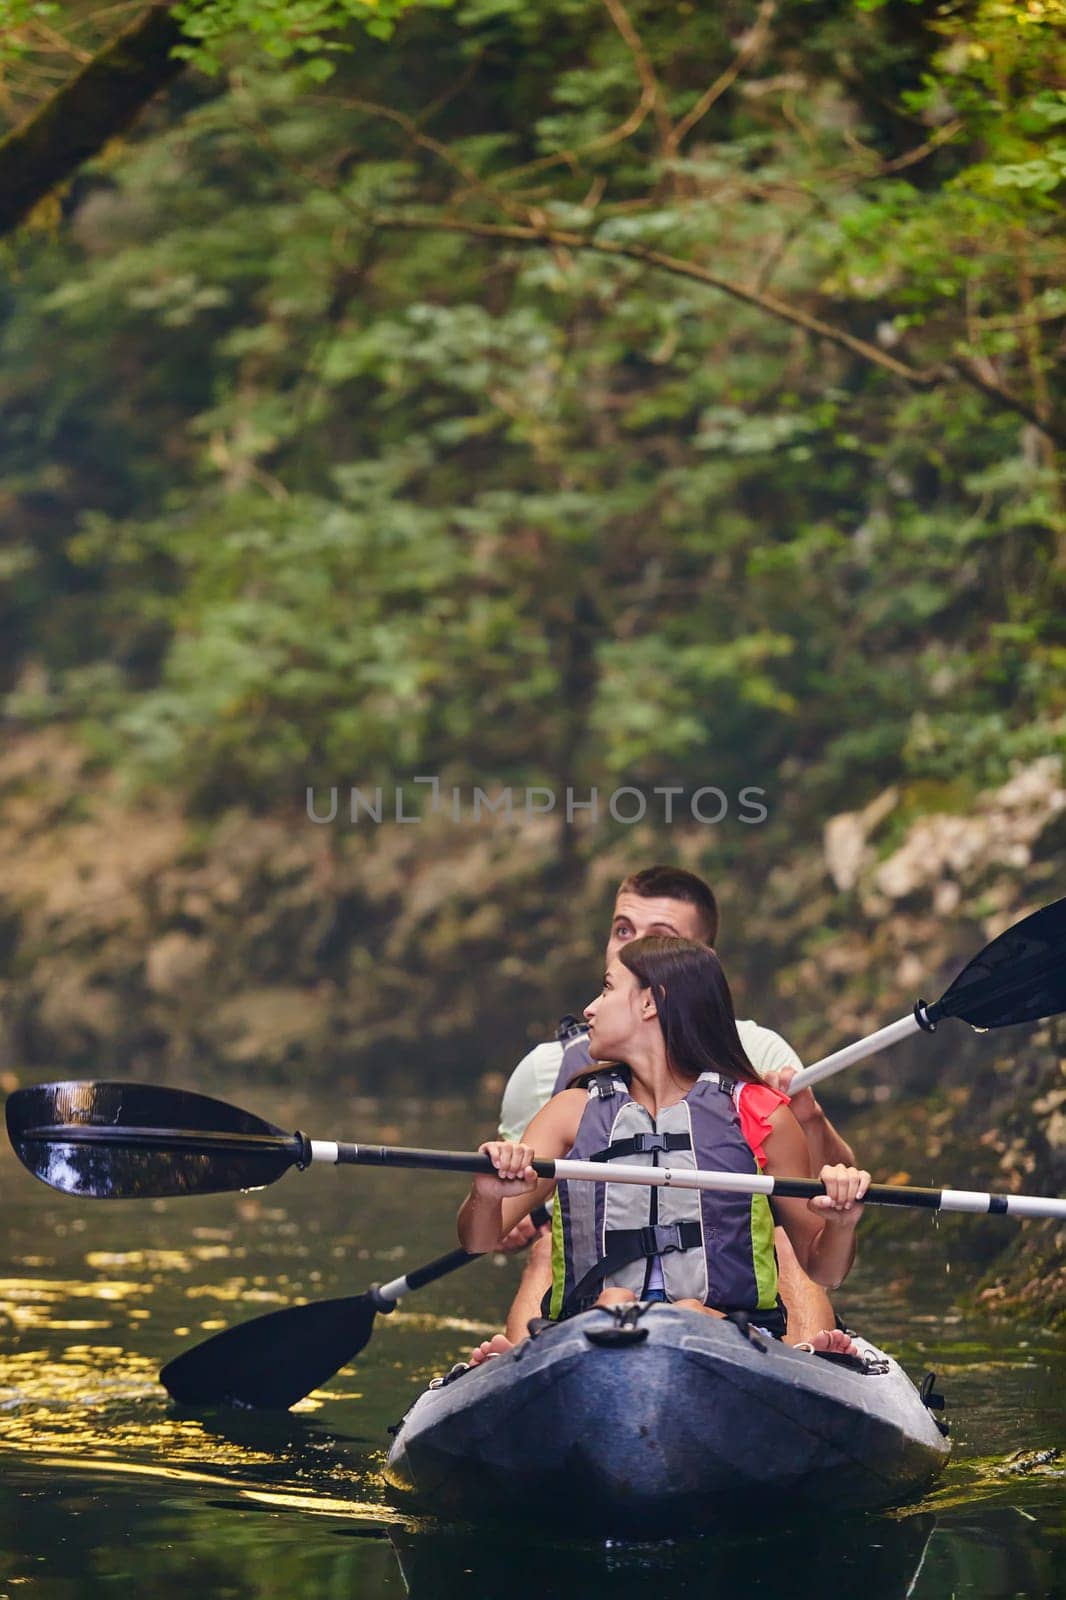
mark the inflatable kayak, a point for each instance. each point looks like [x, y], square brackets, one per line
[653, 1420]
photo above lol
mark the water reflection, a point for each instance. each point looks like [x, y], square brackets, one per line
[874, 1558]
[104, 1486]
[162, 1533]
[921, 1557]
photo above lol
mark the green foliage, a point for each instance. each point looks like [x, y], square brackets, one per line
[218, 35]
[294, 496]
[284, 30]
[15, 14]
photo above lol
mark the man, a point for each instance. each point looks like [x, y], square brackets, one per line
[670, 901]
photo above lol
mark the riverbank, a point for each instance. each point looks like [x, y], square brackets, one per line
[139, 941]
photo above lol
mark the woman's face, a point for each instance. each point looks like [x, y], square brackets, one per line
[619, 1014]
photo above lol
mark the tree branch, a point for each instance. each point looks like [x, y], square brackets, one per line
[753, 43]
[558, 238]
[677, 265]
[910, 157]
[646, 72]
[979, 376]
[571, 158]
[425, 141]
[76, 122]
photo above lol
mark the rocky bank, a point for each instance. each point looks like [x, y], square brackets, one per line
[136, 940]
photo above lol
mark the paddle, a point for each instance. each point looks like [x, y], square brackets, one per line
[1019, 977]
[274, 1360]
[111, 1141]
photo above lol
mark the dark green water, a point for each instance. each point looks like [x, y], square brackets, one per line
[104, 1488]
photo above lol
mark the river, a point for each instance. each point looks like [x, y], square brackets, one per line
[106, 1488]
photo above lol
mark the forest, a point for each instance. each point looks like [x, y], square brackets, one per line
[589, 395]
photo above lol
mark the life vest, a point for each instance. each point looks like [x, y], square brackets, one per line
[577, 1057]
[716, 1247]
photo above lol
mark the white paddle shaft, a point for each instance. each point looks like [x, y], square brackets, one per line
[677, 1177]
[859, 1051]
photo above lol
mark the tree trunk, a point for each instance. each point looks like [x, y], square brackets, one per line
[76, 122]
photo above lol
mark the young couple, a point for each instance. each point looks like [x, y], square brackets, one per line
[666, 1075]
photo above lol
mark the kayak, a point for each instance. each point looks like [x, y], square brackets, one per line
[648, 1419]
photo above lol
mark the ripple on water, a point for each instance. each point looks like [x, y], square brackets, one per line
[98, 1408]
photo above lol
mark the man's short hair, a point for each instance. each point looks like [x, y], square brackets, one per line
[674, 883]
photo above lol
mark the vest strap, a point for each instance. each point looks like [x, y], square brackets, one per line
[626, 1245]
[642, 1144]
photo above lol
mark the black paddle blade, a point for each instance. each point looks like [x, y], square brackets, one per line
[274, 1360]
[124, 1141]
[1019, 977]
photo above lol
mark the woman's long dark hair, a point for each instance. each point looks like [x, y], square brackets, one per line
[694, 1004]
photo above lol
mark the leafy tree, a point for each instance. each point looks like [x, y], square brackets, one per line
[588, 392]
[107, 80]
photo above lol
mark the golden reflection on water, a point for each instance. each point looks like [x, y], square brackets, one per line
[973, 1481]
[98, 1409]
[96, 1406]
[323, 1506]
[428, 1324]
[154, 1260]
[98, 1402]
[29, 1303]
[288, 1500]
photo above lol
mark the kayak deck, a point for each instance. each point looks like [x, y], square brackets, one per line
[673, 1420]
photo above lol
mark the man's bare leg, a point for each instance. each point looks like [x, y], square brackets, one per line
[808, 1306]
[811, 1318]
[626, 1297]
[810, 1312]
[536, 1281]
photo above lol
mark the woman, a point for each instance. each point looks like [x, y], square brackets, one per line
[684, 1095]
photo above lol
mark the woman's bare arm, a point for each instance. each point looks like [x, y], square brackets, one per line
[496, 1203]
[822, 1230]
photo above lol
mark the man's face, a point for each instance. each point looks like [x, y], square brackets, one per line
[635, 917]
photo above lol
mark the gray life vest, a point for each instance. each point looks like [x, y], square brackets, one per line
[714, 1247]
[577, 1057]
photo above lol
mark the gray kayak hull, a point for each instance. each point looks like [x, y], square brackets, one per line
[677, 1423]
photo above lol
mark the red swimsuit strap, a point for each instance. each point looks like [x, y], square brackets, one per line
[756, 1104]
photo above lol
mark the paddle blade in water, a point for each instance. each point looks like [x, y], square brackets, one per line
[274, 1360]
[123, 1141]
[1019, 977]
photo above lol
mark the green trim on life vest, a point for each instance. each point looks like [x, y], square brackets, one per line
[763, 1256]
[558, 1262]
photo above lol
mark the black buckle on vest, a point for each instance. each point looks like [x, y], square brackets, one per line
[645, 1143]
[656, 1240]
[570, 1028]
[642, 1144]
